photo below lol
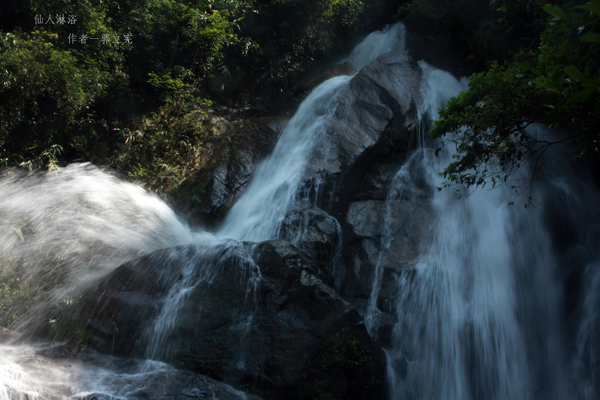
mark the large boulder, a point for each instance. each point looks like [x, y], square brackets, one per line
[379, 104]
[385, 236]
[402, 224]
[375, 114]
[367, 138]
[246, 314]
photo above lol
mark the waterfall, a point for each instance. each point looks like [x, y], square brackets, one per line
[277, 179]
[392, 38]
[61, 232]
[82, 221]
[480, 315]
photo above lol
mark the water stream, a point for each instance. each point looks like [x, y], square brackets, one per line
[480, 315]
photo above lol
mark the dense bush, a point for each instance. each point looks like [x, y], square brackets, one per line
[133, 83]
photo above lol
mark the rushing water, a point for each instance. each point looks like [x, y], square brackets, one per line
[480, 315]
[86, 215]
[277, 179]
[392, 38]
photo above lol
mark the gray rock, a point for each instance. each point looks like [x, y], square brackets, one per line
[236, 324]
[381, 99]
[376, 182]
[407, 221]
[367, 218]
[318, 235]
[235, 155]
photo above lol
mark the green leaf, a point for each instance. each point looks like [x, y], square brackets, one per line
[593, 7]
[574, 72]
[555, 11]
[590, 37]
[581, 96]
[591, 83]
[545, 83]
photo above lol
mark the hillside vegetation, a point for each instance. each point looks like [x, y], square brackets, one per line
[147, 86]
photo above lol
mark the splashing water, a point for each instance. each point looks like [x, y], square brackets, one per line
[77, 224]
[60, 232]
[87, 222]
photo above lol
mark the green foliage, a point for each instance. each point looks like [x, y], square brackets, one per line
[198, 192]
[297, 32]
[558, 84]
[165, 148]
[20, 291]
[193, 34]
[61, 100]
[144, 107]
[45, 93]
[346, 11]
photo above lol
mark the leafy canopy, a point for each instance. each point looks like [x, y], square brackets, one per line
[558, 84]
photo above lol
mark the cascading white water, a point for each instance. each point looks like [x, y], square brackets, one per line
[63, 231]
[576, 220]
[86, 215]
[392, 38]
[480, 313]
[258, 214]
[83, 222]
[261, 209]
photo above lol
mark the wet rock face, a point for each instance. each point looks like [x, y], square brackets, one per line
[235, 323]
[122, 311]
[407, 222]
[268, 314]
[375, 115]
[318, 236]
[380, 100]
